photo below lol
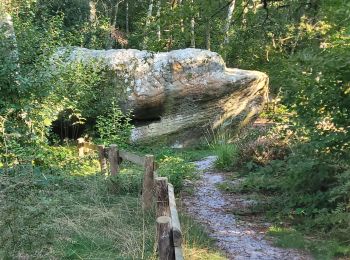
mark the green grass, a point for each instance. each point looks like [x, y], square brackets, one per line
[320, 249]
[188, 155]
[45, 216]
[226, 154]
[197, 244]
[69, 217]
[287, 238]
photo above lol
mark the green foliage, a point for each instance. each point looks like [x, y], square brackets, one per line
[60, 160]
[304, 48]
[308, 190]
[114, 127]
[46, 216]
[287, 238]
[290, 238]
[227, 154]
[39, 90]
[177, 170]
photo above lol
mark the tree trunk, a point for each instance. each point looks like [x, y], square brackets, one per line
[181, 19]
[127, 29]
[148, 21]
[207, 36]
[244, 14]
[149, 13]
[93, 17]
[231, 8]
[113, 21]
[193, 39]
[174, 3]
[158, 20]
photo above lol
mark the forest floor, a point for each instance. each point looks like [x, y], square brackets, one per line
[239, 234]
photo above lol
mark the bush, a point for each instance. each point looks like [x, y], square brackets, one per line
[258, 146]
[310, 190]
[177, 170]
[114, 127]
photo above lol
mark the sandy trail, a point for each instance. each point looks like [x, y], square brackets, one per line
[239, 239]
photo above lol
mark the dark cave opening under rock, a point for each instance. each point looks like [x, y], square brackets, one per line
[71, 126]
[68, 126]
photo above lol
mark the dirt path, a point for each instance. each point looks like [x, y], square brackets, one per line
[239, 239]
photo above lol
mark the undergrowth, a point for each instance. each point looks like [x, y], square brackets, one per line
[321, 249]
[71, 217]
[177, 170]
[304, 185]
[47, 214]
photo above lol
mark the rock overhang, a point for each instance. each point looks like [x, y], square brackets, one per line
[187, 91]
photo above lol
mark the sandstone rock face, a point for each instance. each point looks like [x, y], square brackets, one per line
[181, 94]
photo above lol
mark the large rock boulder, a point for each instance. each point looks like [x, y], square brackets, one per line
[180, 95]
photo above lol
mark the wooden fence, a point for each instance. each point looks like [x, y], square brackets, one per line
[169, 235]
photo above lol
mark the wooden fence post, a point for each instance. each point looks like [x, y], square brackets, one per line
[175, 224]
[113, 157]
[148, 183]
[162, 196]
[81, 146]
[165, 248]
[102, 158]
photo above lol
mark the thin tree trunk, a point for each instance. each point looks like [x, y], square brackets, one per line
[113, 22]
[193, 39]
[245, 12]
[158, 20]
[207, 35]
[93, 17]
[181, 19]
[148, 21]
[208, 28]
[127, 29]
[149, 13]
[174, 3]
[231, 8]
[91, 36]
[171, 40]
[114, 14]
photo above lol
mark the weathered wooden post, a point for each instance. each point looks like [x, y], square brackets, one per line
[148, 182]
[162, 197]
[175, 224]
[113, 158]
[165, 248]
[102, 158]
[81, 146]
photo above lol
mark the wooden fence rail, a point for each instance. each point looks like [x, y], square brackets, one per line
[169, 235]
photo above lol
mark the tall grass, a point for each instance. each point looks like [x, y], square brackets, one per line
[69, 217]
[226, 156]
[220, 141]
[45, 216]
